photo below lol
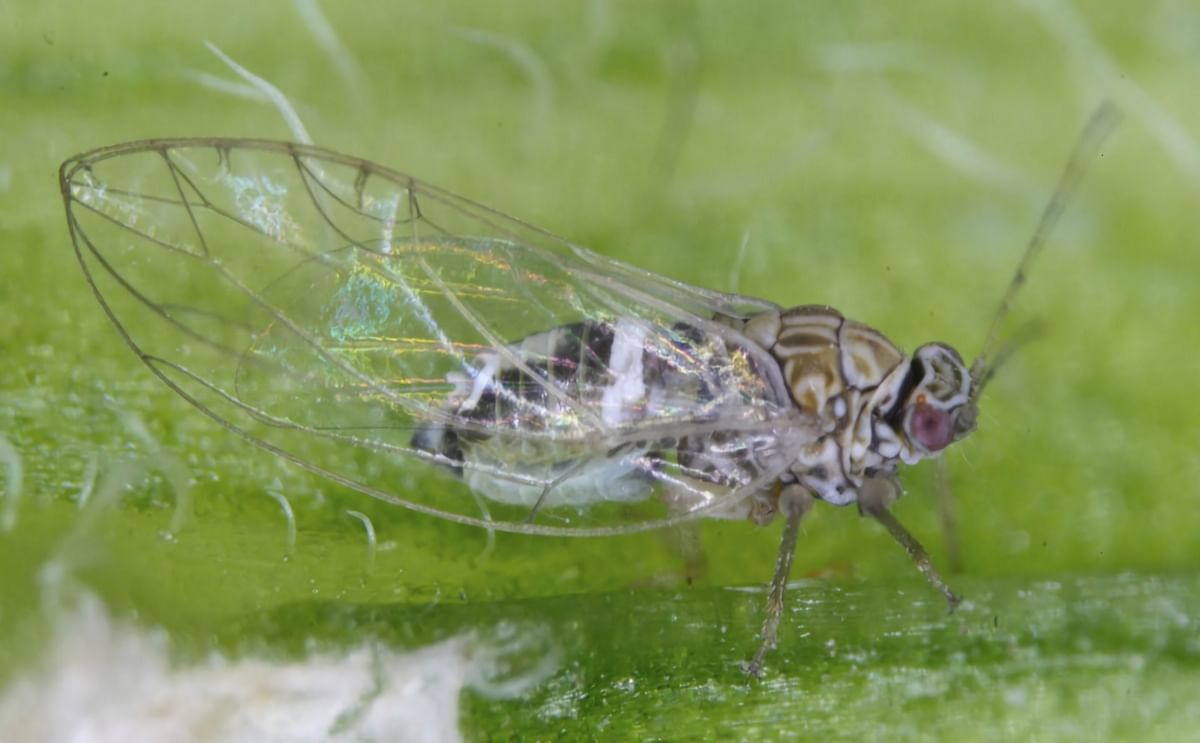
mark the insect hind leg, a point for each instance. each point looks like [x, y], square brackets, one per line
[571, 471]
[795, 502]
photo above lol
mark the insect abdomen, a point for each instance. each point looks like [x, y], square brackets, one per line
[596, 364]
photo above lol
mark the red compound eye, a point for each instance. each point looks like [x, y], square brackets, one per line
[931, 427]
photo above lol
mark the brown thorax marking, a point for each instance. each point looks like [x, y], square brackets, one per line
[838, 371]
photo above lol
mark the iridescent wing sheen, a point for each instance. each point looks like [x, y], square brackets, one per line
[327, 308]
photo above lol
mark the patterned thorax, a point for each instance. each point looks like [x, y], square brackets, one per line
[865, 395]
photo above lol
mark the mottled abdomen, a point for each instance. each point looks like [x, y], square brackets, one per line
[593, 366]
[570, 406]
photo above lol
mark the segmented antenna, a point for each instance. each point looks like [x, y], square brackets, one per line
[1098, 127]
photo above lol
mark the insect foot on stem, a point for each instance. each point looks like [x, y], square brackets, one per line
[874, 499]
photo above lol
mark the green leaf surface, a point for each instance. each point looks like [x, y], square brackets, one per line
[889, 161]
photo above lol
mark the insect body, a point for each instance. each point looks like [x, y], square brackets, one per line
[864, 405]
[359, 322]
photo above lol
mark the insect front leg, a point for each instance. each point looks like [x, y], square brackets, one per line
[874, 499]
[795, 502]
[947, 512]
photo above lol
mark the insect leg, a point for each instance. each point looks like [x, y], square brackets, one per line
[874, 497]
[796, 502]
[571, 471]
[948, 513]
[685, 543]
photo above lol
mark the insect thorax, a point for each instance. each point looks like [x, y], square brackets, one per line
[846, 376]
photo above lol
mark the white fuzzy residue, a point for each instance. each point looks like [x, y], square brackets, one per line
[102, 680]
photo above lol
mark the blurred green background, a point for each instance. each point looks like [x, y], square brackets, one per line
[888, 161]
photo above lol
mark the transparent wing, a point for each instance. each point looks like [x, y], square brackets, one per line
[331, 310]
